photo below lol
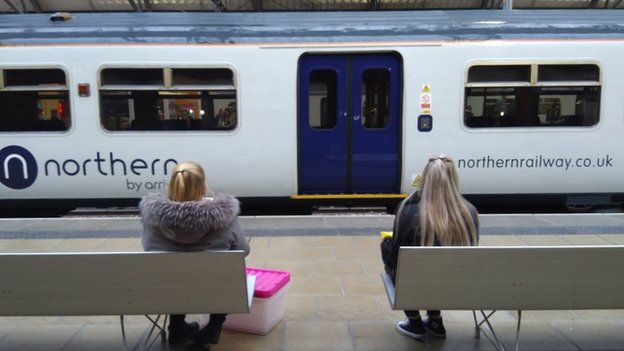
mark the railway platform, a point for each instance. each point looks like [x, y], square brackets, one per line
[336, 300]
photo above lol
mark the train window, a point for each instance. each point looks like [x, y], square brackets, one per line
[195, 99]
[375, 98]
[565, 73]
[34, 100]
[551, 100]
[194, 76]
[507, 73]
[322, 99]
[132, 76]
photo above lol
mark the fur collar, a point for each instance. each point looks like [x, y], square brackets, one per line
[189, 217]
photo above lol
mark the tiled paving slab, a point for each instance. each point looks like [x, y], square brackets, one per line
[596, 334]
[316, 335]
[102, 337]
[39, 337]
[534, 335]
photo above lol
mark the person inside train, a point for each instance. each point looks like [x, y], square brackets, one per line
[468, 115]
[553, 115]
[56, 123]
[186, 220]
[435, 214]
[228, 117]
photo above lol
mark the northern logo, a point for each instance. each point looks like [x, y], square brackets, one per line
[18, 167]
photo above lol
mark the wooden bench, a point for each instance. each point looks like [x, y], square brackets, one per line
[507, 278]
[131, 283]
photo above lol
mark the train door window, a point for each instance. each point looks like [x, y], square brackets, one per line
[375, 98]
[536, 95]
[34, 100]
[172, 99]
[322, 99]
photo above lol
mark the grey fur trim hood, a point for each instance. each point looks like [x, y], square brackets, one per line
[187, 222]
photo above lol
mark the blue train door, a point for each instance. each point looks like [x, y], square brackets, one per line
[349, 124]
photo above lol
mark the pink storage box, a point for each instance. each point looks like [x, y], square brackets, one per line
[268, 305]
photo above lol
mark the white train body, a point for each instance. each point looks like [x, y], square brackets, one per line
[259, 157]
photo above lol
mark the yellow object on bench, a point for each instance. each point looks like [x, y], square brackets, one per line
[385, 234]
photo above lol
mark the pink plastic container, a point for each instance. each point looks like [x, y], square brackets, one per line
[268, 305]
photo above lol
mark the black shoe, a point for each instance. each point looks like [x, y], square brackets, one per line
[177, 334]
[435, 327]
[412, 328]
[210, 334]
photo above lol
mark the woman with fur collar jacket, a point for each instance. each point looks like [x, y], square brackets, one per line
[207, 224]
[186, 221]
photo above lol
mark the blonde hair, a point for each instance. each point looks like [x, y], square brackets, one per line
[187, 183]
[444, 213]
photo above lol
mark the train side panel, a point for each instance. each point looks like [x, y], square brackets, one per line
[519, 160]
[257, 158]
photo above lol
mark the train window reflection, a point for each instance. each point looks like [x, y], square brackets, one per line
[34, 100]
[531, 107]
[168, 110]
[322, 99]
[191, 99]
[557, 96]
[375, 98]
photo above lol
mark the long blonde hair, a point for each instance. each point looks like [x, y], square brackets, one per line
[444, 213]
[187, 183]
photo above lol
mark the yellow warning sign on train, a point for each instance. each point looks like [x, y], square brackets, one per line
[416, 179]
[425, 100]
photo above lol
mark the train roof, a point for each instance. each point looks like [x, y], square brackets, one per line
[310, 27]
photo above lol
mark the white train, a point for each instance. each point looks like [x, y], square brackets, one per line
[312, 107]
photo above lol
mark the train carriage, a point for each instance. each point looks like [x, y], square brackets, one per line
[312, 108]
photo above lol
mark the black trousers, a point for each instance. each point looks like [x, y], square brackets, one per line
[416, 314]
[177, 320]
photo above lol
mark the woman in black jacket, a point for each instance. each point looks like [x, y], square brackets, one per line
[187, 221]
[434, 215]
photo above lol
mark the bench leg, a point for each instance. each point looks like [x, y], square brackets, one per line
[123, 333]
[147, 344]
[163, 335]
[486, 327]
[518, 329]
[477, 327]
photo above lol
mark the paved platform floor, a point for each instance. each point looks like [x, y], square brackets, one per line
[336, 301]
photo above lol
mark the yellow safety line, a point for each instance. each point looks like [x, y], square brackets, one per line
[347, 196]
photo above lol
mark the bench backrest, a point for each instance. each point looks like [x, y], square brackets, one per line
[509, 278]
[123, 283]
